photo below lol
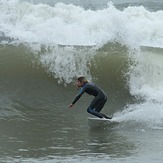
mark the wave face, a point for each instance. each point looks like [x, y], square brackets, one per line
[66, 41]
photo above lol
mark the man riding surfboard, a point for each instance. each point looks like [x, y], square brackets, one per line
[97, 103]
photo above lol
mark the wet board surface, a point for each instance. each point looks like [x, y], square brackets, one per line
[94, 122]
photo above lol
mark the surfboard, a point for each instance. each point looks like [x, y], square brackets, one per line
[95, 122]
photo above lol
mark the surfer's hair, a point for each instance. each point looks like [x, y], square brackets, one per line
[82, 79]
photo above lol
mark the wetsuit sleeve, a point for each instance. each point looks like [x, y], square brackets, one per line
[82, 90]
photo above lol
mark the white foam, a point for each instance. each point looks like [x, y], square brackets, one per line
[72, 25]
[146, 82]
[66, 67]
[149, 113]
[146, 76]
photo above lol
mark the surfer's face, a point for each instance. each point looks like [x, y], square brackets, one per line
[79, 84]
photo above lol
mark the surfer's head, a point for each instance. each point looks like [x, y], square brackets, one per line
[81, 81]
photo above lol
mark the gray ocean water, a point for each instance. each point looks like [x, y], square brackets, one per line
[45, 45]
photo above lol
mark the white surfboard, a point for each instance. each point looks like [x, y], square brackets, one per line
[95, 122]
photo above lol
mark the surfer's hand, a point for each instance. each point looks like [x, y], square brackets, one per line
[71, 105]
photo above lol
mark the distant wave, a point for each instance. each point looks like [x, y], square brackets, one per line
[73, 25]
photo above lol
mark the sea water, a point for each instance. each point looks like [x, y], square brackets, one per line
[45, 45]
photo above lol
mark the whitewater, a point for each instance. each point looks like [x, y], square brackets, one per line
[45, 46]
[37, 25]
[43, 24]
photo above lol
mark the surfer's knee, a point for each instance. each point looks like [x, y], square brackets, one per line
[89, 110]
[94, 112]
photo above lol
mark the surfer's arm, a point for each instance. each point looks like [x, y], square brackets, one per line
[82, 90]
[75, 100]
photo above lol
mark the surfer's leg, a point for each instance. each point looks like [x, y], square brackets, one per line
[96, 106]
[97, 114]
[94, 112]
[91, 109]
[105, 116]
[100, 105]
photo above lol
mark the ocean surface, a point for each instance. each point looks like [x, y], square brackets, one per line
[45, 45]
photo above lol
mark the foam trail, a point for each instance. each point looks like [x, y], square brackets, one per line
[148, 113]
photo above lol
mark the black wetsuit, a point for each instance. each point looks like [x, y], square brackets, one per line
[97, 103]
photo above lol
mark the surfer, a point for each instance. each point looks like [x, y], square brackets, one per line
[97, 103]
